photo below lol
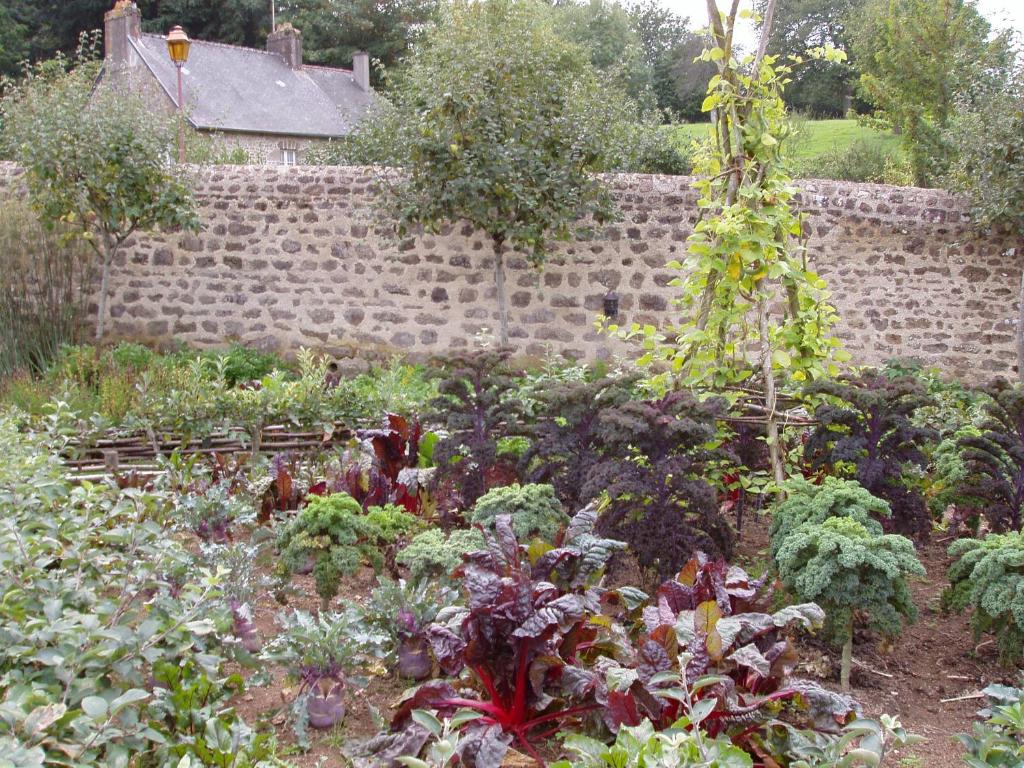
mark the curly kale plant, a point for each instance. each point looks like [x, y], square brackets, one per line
[867, 422]
[534, 509]
[567, 446]
[994, 461]
[338, 537]
[851, 572]
[474, 406]
[434, 555]
[809, 503]
[989, 577]
[653, 471]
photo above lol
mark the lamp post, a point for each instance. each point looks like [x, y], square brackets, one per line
[177, 47]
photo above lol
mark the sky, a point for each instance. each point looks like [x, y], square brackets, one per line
[1002, 14]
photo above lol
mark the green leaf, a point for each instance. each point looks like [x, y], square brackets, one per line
[94, 706]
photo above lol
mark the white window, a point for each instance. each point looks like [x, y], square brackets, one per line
[289, 157]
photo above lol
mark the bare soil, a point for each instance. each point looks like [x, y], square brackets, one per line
[922, 678]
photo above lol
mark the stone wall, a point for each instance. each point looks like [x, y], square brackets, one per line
[297, 256]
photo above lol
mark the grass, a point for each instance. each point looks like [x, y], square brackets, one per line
[818, 137]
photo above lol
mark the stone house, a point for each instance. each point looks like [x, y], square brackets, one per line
[268, 103]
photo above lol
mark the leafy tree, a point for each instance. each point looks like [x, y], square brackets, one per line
[500, 122]
[821, 87]
[919, 59]
[605, 30]
[14, 46]
[686, 75]
[867, 424]
[332, 30]
[988, 576]
[95, 162]
[851, 572]
[742, 262]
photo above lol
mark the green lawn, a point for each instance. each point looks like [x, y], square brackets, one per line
[818, 137]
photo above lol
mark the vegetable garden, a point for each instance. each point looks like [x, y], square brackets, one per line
[558, 564]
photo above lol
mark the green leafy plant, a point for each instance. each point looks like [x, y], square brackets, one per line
[997, 741]
[321, 653]
[866, 425]
[535, 510]
[854, 573]
[445, 739]
[474, 404]
[749, 297]
[834, 497]
[188, 703]
[97, 598]
[434, 554]
[988, 577]
[638, 746]
[994, 460]
[335, 536]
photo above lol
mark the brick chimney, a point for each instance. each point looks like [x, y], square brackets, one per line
[361, 69]
[120, 23]
[286, 42]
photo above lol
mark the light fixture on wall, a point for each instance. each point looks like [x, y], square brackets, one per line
[611, 305]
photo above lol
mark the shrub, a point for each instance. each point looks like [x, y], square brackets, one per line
[566, 448]
[862, 160]
[335, 533]
[434, 554]
[534, 509]
[994, 460]
[988, 577]
[239, 364]
[867, 422]
[809, 503]
[653, 471]
[854, 574]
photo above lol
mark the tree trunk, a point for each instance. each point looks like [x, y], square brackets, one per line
[109, 251]
[1020, 331]
[770, 398]
[847, 662]
[499, 283]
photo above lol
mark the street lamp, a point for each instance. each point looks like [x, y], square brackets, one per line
[177, 46]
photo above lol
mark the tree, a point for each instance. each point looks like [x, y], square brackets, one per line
[97, 162]
[920, 61]
[670, 47]
[332, 30]
[988, 167]
[820, 87]
[742, 262]
[605, 30]
[500, 122]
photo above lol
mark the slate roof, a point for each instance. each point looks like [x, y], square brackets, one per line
[228, 88]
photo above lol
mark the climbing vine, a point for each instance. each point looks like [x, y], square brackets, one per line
[753, 308]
